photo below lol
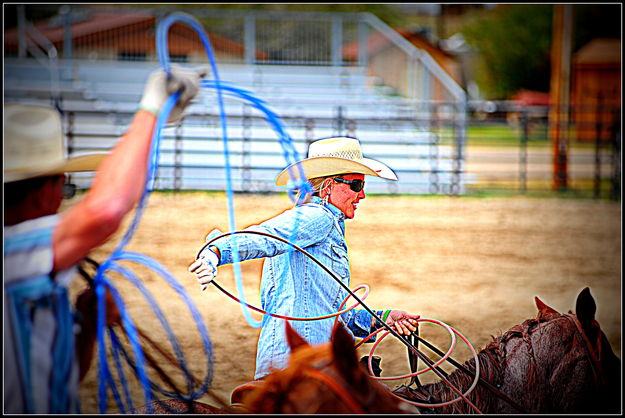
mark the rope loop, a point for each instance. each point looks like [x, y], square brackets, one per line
[452, 332]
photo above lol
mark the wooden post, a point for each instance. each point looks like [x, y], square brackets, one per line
[559, 96]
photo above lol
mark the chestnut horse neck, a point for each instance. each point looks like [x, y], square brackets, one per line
[326, 375]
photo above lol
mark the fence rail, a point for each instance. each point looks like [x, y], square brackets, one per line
[503, 154]
[511, 150]
[192, 157]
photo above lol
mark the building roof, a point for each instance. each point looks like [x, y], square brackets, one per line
[97, 22]
[531, 97]
[101, 21]
[600, 51]
[377, 41]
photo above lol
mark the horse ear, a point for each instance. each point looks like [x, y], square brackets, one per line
[343, 351]
[585, 307]
[294, 339]
[543, 309]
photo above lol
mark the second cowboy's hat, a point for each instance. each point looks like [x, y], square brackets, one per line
[33, 144]
[335, 156]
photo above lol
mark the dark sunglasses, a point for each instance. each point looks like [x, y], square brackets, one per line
[355, 185]
[69, 190]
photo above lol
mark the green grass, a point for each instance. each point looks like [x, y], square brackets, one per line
[583, 190]
[506, 135]
[497, 135]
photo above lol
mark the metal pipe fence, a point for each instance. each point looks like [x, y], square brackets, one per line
[506, 153]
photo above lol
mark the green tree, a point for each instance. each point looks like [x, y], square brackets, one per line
[384, 12]
[513, 44]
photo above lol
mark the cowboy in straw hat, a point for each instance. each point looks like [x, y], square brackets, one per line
[292, 284]
[43, 247]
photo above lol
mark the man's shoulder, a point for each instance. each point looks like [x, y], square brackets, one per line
[31, 226]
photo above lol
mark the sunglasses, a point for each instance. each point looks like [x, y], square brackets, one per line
[69, 189]
[355, 185]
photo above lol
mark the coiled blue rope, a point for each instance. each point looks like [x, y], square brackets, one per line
[111, 264]
[101, 283]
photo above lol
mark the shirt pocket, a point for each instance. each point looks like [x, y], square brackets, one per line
[340, 262]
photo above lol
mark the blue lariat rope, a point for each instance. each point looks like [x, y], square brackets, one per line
[298, 191]
[290, 154]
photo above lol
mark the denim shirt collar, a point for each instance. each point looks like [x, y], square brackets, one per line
[335, 211]
[338, 214]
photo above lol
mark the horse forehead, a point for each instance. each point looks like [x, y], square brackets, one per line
[307, 354]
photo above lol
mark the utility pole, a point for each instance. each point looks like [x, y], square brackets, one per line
[559, 95]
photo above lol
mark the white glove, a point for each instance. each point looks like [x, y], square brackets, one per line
[158, 89]
[205, 267]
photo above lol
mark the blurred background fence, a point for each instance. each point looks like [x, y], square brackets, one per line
[324, 74]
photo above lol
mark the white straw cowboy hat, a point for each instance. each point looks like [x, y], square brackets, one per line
[335, 156]
[33, 144]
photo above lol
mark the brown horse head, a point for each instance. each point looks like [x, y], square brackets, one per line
[324, 379]
[554, 363]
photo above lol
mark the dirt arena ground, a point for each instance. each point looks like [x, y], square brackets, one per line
[474, 263]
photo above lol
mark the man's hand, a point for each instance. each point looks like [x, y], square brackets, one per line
[403, 322]
[158, 88]
[205, 267]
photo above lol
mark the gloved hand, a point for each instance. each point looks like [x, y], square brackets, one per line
[205, 267]
[158, 88]
[403, 322]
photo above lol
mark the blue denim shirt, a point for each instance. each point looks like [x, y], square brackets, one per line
[294, 285]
